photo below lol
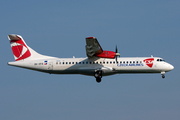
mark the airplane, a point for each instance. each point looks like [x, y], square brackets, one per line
[98, 62]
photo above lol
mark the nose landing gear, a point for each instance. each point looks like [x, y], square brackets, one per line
[163, 74]
[98, 75]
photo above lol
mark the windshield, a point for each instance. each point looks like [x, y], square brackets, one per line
[160, 60]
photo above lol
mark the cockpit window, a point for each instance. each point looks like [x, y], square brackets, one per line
[160, 60]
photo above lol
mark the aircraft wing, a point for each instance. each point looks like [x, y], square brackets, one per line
[93, 47]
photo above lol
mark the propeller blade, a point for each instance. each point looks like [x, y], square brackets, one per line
[116, 58]
[116, 53]
[116, 49]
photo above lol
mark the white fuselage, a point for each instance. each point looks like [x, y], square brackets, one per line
[88, 66]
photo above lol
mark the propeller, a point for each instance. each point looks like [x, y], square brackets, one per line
[116, 54]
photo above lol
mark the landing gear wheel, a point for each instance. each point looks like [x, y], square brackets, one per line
[98, 75]
[98, 80]
[163, 76]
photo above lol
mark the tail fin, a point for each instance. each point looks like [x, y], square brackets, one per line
[19, 47]
[21, 51]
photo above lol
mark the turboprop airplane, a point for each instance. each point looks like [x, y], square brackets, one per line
[98, 62]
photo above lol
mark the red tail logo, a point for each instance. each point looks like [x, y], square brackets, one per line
[20, 50]
[149, 62]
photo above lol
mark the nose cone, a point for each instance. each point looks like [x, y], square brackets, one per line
[164, 66]
[171, 67]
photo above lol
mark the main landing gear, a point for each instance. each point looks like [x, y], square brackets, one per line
[163, 74]
[98, 75]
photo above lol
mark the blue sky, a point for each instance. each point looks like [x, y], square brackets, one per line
[59, 28]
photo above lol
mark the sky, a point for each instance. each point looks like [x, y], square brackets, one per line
[58, 28]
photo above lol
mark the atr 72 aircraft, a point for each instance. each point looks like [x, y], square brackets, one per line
[98, 62]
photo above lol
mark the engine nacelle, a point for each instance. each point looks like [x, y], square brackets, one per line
[107, 54]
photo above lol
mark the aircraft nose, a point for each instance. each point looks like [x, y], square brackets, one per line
[171, 67]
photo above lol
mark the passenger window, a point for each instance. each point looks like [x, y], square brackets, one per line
[110, 62]
[120, 61]
[157, 59]
[63, 62]
[86, 62]
[83, 62]
[96, 62]
[76, 62]
[56, 62]
[93, 62]
[59, 62]
[130, 62]
[123, 61]
[72, 62]
[114, 62]
[133, 61]
[127, 62]
[103, 62]
[136, 61]
[107, 62]
[69, 62]
[79, 62]
[66, 62]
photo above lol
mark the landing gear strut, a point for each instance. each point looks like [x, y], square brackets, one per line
[98, 75]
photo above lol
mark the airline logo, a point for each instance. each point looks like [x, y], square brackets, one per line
[45, 62]
[20, 50]
[149, 62]
[130, 64]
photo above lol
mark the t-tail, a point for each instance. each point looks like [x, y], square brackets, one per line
[23, 52]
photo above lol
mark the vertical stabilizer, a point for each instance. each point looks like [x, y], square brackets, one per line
[21, 51]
